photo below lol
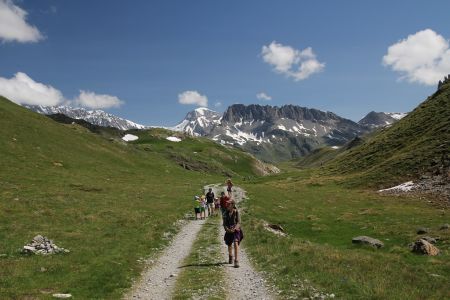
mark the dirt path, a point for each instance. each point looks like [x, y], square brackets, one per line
[159, 280]
[243, 282]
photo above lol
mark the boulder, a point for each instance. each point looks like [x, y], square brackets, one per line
[276, 227]
[444, 227]
[39, 239]
[429, 239]
[366, 240]
[421, 246]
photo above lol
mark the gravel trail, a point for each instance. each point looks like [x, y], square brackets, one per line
[243, 282]
[159, 280]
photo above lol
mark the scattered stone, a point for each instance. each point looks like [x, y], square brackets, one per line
[368, 241]
[421, 246]
[422, 230]
[429, 239]
[444, 227]
[58, 164]
[62, 296]
[43, 269]
[173, 275]
[42, 245]
[276, 227]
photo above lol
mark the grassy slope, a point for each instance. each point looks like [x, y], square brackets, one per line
[197, 153]
[404, 150]
[108, 202]
[321, 217]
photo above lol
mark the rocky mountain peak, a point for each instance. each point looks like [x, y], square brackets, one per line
[380, 119]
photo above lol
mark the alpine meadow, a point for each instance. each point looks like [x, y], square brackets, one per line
[226, 150]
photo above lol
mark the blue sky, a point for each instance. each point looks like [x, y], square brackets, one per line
[144, 54]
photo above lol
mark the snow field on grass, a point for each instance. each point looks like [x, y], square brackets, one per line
[130, 137]
[404, 187]
[173, 139]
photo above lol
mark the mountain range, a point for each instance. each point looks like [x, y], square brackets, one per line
[271, 133]
[278, 133]
[95, 117]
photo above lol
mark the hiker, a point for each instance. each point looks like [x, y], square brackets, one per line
[233, 232]
[223, 203]
[197, 207]
[210, 201]
[229, 187]
[203, 207]
[216, 206]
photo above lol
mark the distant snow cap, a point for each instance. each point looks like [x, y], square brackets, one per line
[202, 110]
[397, 116]
[130, 137]
[173, 139]
[335, 147]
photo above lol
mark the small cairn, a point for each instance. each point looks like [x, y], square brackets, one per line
[42, 245]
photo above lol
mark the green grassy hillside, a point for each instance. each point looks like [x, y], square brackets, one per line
[108, 202]
[407, 149]
[320, 217]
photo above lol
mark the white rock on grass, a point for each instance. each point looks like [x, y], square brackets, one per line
[62, 296]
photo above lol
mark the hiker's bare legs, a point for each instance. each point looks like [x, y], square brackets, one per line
[236, 250]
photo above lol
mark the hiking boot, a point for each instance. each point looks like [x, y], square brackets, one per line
[230, 259]
[236, 264]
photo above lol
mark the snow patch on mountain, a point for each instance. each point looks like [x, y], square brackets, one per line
[173, 139]
[198, 122]
[397, 116]
[130, 137]
[96, 117]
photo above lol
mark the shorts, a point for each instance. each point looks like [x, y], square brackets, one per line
[230, 237]
[197, 210]
[217, 206]
[202, 209]
[210, 205]
[229, 189]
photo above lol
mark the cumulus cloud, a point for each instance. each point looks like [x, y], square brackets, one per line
[263, 96]
[24, 90]
[192, 97]
[218, 104]
[13, 25]
[423, 57]
[97, 101]
[298, 64]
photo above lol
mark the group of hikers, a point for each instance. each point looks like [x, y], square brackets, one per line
[230, 217]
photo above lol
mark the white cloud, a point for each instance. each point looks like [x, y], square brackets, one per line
[218, 104]
[192, 97]
[24, 90]
[298, 64]
[97, 101]
[263, 96]
[423, 57]
[13, 25]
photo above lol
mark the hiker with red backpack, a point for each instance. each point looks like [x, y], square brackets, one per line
[223, 200]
